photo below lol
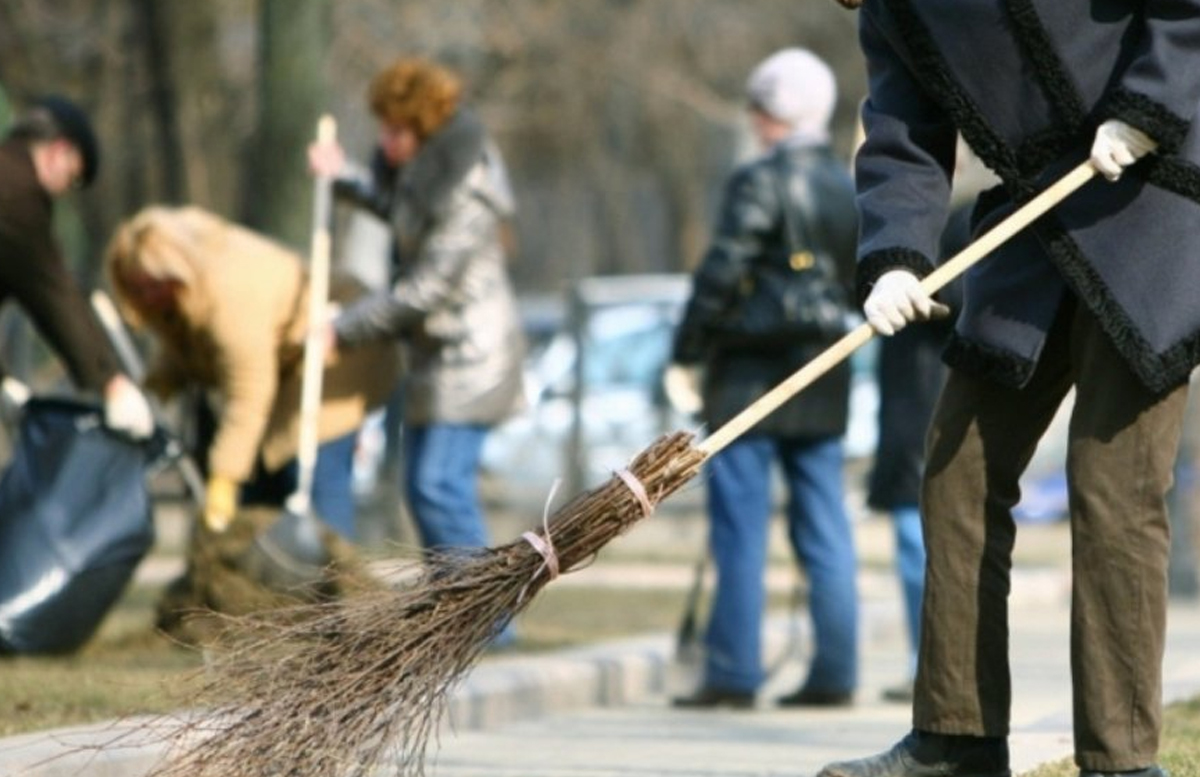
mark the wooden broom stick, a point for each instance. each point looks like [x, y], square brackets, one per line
[299, 502]
[856, 338]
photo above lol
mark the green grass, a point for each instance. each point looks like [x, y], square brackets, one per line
[121, 678]
[1179, 752]
[125, 669]
[128, 669]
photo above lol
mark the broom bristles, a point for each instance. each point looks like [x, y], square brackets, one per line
[334, 688]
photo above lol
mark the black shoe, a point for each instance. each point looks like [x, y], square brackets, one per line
[1149, 771]
[922, 754]
[710, 698]
[807, 697]
[903, 692]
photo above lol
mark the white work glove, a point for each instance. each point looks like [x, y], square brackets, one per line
[1117, 146]
[15, 393]
[13, 396]
[681, 384]
[897, 299]
[126, 409]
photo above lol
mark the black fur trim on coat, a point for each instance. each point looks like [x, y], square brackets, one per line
[1042, 149]
[1160, 372]
[1019, 169]
[1038, 48]
[938, 79]
[444, 160]
[876, 263]
[982, 361]
[1150, 116]
[1072, 128]
[1175, 175]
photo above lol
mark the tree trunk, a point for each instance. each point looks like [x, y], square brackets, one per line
[155, 28]
[294, 43]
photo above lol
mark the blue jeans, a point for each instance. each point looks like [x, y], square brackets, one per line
[441, 478]
[332, 488]
[441, 474]
[910, 568]
[333, 484]
[739, 497]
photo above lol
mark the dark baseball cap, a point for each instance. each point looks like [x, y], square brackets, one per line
[75, 126]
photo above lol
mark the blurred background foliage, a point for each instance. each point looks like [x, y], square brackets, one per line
[619, 118]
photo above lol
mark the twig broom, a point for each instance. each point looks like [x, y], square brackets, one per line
[332, 689]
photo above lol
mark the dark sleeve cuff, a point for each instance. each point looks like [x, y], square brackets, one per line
[876, 263]
[688, 347]
[1150, 116]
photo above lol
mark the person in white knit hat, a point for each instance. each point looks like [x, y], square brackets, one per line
[772, 291]
[795, 88]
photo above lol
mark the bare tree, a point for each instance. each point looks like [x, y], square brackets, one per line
[619, 118]
[153, 23]
[292, 90]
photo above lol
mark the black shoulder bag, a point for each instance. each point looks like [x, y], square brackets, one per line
[787, 297]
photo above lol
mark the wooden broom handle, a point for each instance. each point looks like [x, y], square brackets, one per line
[948, 271]
[314, 352]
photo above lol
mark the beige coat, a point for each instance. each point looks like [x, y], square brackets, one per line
[238, 329]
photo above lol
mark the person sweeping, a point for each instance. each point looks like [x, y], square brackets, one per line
[1096, 297]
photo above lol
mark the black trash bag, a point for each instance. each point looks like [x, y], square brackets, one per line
[75, 521]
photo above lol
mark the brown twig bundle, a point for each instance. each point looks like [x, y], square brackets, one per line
[333, 688]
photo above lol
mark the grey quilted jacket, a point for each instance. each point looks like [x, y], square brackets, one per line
[451, 303]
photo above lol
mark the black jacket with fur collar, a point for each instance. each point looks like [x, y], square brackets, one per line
[1027, 82]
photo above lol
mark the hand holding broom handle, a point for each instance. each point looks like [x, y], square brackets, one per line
[948, 271]
[299, 502]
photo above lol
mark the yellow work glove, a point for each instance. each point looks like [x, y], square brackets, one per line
[220, 503]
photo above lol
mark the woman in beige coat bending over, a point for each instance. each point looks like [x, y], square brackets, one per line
[227, 309]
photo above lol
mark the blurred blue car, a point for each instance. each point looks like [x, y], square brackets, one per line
[594, 386]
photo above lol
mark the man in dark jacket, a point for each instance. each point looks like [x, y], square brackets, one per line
[1097, 296]
[49, 151]
[786, 219]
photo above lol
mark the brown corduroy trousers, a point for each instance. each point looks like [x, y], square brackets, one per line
[1122, 446]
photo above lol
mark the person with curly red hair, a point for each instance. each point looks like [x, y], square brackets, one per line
[441, 184]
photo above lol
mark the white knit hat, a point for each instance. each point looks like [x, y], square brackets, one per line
[796, 87]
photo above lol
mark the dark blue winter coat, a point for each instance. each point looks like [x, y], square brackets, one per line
[1027, 82]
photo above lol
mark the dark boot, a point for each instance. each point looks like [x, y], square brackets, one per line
[807, 697]
[921, 754]
[711, 698]
[1149, 771]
